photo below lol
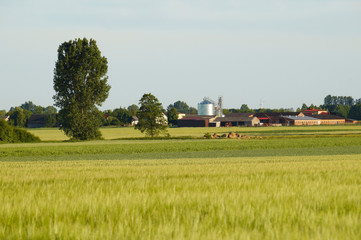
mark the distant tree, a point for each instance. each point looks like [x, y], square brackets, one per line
[192, 110]
[226, 111]
[355, 112]
[183, 107]
[3, 112]
[172, 115]
[342, 110]
[107, 113]
[232, 110]
[80, 83]
[327, 100]
[39, 110]
[50, 120]
[30, 106]
[150, 116]
[115, 122]
[19, 117]
[50, 110]
[122, 115]
[338, 100]
[304, 106]
[340, 105]
[245, 108]
[350, 101]
[133, 109]
[312, 107]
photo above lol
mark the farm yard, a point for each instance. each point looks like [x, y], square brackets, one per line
[293, 183]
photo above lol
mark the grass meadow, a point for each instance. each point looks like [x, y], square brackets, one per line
[293, 183]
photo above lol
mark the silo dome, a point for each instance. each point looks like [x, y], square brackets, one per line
[206, 107]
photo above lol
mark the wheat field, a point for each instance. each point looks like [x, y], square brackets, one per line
[270, 188]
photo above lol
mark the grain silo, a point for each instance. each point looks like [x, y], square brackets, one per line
[206, 107]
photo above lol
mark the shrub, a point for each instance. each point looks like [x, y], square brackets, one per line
[10, 134]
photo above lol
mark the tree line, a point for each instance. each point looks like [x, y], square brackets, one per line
[123, 116]
[20, 115]
[344, 106]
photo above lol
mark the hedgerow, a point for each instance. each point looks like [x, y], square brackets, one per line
[10, 134]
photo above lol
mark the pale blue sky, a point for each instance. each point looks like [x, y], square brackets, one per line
[282, 52]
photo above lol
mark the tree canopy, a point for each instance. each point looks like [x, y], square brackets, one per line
[183, 107]
[355, 112]
[19, 117]
[150, 116]
[80, 83]
[133, 109]
[172, 115]
[122, 115]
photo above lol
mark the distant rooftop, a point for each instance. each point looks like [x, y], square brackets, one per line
[300, 118]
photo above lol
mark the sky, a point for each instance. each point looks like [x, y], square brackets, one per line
[270, 53]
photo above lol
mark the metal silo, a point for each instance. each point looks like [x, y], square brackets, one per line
[206, 107]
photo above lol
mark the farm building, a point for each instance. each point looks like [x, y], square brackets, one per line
[197, 121]
[351, 121]
[233, 121]
[135, 120]
[275, 118]
[246, 114]
[36, 121]
[5, 118]
[236, 119]
[181, 115]
[329, 119]
[314, 111]
[301, 120]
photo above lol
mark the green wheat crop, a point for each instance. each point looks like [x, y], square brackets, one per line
[311, 197]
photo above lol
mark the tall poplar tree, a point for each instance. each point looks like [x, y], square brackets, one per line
[80, 83]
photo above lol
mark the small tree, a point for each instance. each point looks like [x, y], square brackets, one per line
[19, 117]
[122, 115]
[50, 110]
[80, 83]
[133, 109]
[355, 112]
[30, 106]
[172, 116]
[150, 116]
[50, 120]
[304, 106]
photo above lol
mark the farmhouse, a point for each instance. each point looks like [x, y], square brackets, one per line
[5, 118]
[135, 120]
